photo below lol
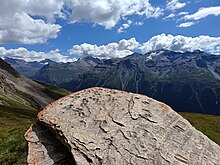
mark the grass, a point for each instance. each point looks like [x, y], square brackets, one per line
[54, 92]
[13, 124]
[207, 124]
[16, 100]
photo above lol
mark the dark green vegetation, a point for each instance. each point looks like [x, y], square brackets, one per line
[188, 82]
[15, 119]
[208, 124]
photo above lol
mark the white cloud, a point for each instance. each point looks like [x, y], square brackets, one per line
[108, 12]
[127, 25]
[17, 25]
[111, 50]
[126, 47]
[121, 49]
[48, 9]
[186, 24]
[170, 16]
[183, 13]
[139, 23]
[174, 5]
[182, 43]
[203, 12]
[32, 21]
[124, 26]
[24, 54]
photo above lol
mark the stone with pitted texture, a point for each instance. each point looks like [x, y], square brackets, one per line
[106, 126]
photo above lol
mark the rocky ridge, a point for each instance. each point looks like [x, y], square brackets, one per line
[18, 90]
[14, 87]
[106, 126]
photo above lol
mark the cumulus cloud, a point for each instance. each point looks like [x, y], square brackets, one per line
[111, 50]
[108, 12]
[124, 26]
[126, 47]
[17, 24]
[129, 23]
[49, 9]
[186, 24]
[121, 49]
[203, 12]
[182, 43]
[174, 5]
[24, 54]
[33, 21]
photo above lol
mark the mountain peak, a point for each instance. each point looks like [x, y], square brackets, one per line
[91, 60]
[7, 67]
[197, 51]
[46, 61]
[136, 54]
[12, 60]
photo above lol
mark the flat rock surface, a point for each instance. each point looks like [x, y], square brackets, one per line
[106, 126]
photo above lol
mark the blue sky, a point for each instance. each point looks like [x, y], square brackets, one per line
[62, 27]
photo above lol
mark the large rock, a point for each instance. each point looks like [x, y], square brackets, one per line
[105, 126]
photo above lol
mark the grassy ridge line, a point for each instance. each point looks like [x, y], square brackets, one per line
[52, 91]
[207, 124]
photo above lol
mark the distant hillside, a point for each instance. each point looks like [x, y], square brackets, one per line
[207, 124]
[17, 90]
[188, 82]
[20, 100]
[59, 73]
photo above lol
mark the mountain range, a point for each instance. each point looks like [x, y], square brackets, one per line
[188, 81]
[28, 69]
